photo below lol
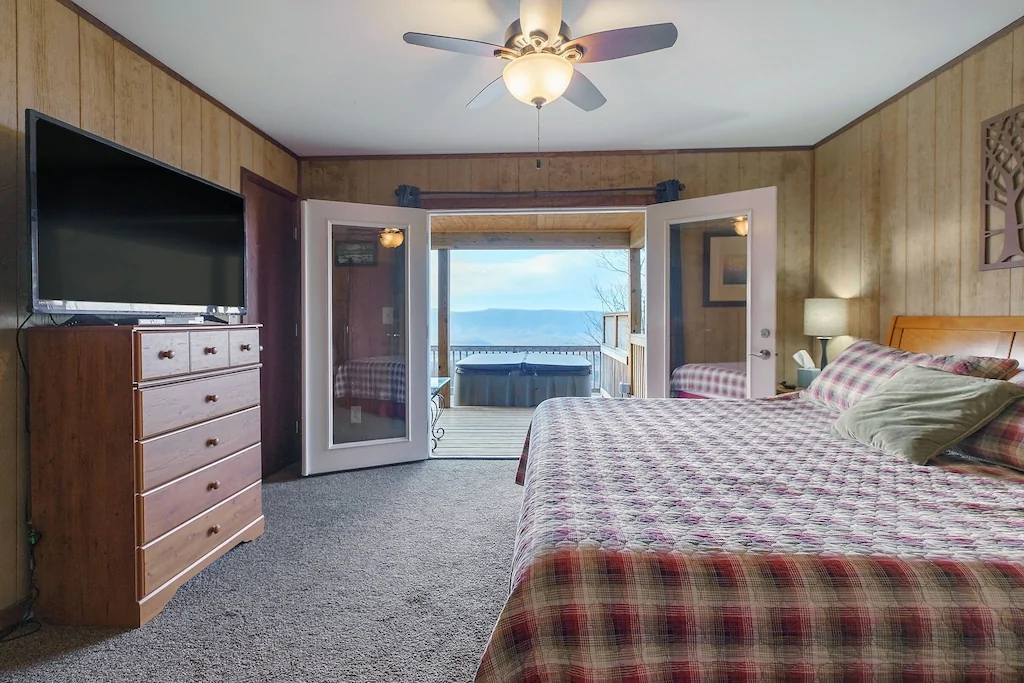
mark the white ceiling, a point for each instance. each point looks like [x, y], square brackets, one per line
[334, 76]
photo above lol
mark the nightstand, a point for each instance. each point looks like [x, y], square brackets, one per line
[779, 389]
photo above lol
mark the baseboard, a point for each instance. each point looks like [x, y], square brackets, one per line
[12, 614]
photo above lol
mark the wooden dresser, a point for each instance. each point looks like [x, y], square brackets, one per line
[145, 463]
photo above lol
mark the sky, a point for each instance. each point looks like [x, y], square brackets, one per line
[532, 280]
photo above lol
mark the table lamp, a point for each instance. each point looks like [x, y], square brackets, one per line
[824, 319]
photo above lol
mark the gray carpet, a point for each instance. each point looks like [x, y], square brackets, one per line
[391, 574]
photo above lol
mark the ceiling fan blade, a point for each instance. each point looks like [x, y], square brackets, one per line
[626, 42]
[460, 45]
[540, 15]
[583, 93]
[489, 95]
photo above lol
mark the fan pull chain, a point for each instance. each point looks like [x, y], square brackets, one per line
[538, 137]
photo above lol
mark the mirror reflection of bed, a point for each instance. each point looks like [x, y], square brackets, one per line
[707, 309]
[368, 334]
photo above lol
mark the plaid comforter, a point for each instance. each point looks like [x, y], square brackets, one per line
[713, 380]
[381, 378]
[665, 540]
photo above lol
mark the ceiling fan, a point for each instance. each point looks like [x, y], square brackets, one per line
[542, 55]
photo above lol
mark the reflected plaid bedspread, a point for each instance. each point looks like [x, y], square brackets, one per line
[713, 380]
[665, 540]
[380, 378]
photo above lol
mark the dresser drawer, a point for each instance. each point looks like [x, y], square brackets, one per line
[162, 409]
[160, 354]
[170, 554]
[208, 350]
[170, 456]
[174, 503]
[245, 347]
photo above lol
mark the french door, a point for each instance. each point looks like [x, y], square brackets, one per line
[736, 233]
[365, 298]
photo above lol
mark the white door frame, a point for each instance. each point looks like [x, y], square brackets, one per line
[319, 453]
[760, 207]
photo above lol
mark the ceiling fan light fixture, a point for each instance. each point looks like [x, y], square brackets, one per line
[392, 238]
[539, 77]
[543, 17]
[741, 226]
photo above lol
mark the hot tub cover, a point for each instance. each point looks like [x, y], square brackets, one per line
[491, 362]
[528, 363]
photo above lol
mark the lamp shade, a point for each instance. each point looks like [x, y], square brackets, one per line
[538, 78]
[826, 317]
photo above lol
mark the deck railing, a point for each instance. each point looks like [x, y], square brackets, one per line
[638, 364]
[457, 353]
[623, 357]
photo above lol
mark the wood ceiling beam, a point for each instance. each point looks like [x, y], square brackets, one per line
[547, 239]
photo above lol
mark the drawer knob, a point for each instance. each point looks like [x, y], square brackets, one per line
[215, 529]
[210, 443]
[247, 347]
[214, 485]
[168, 354]
[210, 350]
[212, 398]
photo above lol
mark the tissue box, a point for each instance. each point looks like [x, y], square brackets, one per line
[804, 376]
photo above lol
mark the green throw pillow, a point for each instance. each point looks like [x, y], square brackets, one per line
[919, 412]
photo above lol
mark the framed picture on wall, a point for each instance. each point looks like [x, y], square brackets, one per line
[725, 269]
[355, 253]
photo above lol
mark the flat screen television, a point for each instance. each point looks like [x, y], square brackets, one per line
[117, 233]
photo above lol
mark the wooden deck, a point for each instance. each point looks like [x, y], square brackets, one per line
[477, 432]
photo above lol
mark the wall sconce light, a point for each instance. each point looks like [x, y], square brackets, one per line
[392, 238]
[741, 225]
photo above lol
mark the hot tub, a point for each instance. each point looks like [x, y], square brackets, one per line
[519, 380]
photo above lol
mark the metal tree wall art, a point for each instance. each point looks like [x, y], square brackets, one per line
[1002, 189]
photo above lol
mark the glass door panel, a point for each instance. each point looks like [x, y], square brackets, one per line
[369, 329]
[707, 309]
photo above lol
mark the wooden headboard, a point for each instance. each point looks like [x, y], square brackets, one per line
[994, 336]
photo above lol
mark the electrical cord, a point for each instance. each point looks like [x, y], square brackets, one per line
[28, 621]
[17, 343]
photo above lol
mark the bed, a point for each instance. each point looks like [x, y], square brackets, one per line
[709, 380]
[665, 540]
[522, 379]
[376, 384]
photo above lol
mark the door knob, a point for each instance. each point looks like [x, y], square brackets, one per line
[763, 354]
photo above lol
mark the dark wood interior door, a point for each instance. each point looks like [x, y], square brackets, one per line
[273, 276]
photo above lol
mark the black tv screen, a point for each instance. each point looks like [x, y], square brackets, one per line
[114, 232]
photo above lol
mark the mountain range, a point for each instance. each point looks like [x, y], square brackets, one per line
[506, 327]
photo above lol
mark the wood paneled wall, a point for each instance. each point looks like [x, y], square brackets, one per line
[897, 197]
[704, 173]
[61, 64]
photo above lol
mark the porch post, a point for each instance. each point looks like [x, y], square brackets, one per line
[444, 318]
[635, 302]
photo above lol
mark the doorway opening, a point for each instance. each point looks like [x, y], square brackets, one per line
[520, 304]
[273, 257]
[634, 358]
